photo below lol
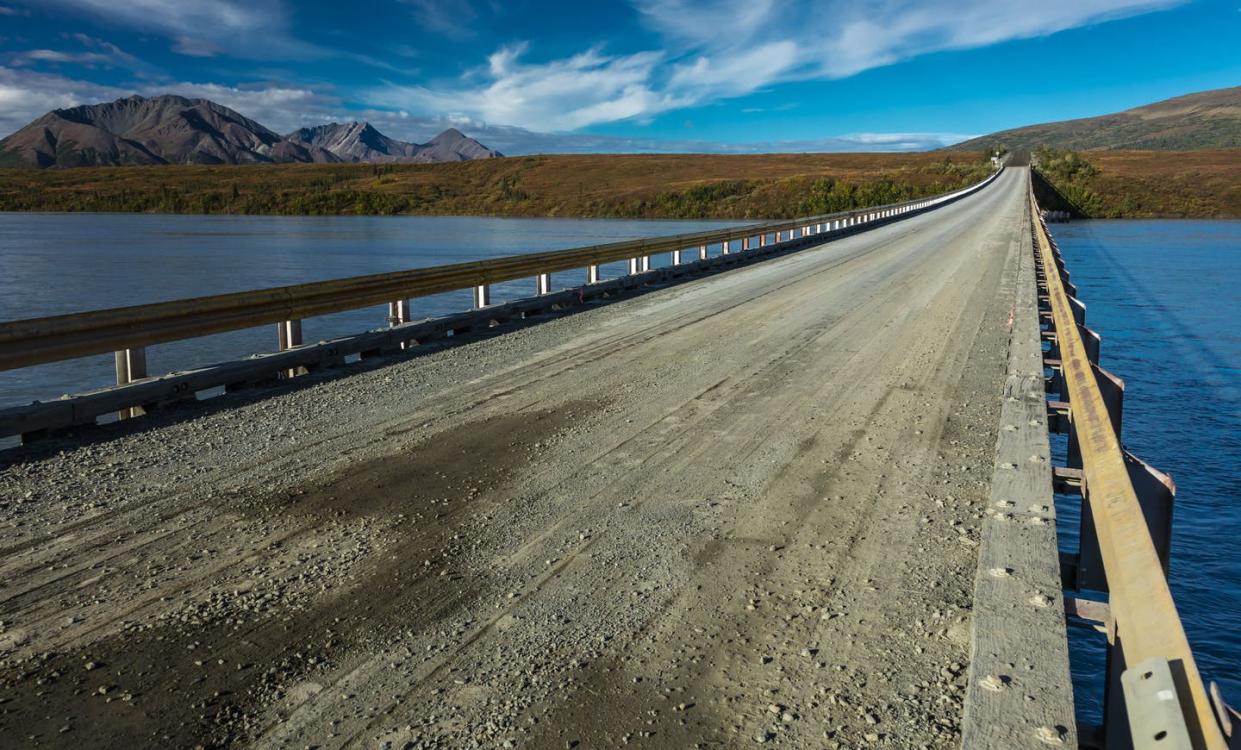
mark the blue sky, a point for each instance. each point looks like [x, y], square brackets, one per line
[627, 75]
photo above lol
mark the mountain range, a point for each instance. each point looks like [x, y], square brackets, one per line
[171, 129]
[1205, 120]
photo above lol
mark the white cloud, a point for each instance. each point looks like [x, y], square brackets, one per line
[452, 18]
[96, 53]
[25, 95]
[564, 94]
[249, 28]
[730, 48]
[283, 108]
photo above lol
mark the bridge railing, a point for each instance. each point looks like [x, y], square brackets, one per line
[1153, 693]
[127, 331]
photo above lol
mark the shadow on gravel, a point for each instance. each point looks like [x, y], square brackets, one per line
[196, 665]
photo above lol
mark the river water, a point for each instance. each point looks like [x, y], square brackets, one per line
[1165, 296]
[61, 263]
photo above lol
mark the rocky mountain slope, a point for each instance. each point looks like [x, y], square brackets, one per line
[361, 142]
[172, 129]
[1205, 120]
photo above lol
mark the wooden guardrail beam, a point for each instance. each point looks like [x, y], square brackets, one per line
[1140, 601]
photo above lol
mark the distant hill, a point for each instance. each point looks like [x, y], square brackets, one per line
[1206, 120]
[361, 142]
[172, 129]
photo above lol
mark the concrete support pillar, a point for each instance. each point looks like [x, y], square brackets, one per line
[482, 296]
[592, 274]
[745, 244]
[646, 263]
[676, 257]
[726, 248]
[762, 240]
[702, 252]
[131, 365]
[543, 284]
[635, 266]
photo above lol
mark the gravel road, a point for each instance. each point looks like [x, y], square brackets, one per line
[740, 510]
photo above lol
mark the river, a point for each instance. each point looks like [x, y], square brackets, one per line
[1165, 295]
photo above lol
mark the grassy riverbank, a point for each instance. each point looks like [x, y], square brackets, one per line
[619, 186]
[1146, 184]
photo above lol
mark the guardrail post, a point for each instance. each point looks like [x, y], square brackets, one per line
[543, 284]
[1156, 494]
[1116, 734]
[131, 365]
[399, 314]
[592, 273]
[482, 296]
[289, 335]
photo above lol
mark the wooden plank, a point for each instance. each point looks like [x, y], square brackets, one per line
[1019, 693]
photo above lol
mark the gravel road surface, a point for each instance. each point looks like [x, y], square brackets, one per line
[739, 510]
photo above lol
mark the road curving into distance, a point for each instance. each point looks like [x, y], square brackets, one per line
[740, 509]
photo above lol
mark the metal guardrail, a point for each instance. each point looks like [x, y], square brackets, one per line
[127, 331]
[50, 339]
[1154, 695]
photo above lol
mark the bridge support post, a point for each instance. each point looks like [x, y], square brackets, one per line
[131, 365]
[592, 274]
[745, 244]
[676, 257]
[543, 284]
[762, 240]
[726, 248]
[645, 263]
[482, 296]
[634, 266]
[702, 252]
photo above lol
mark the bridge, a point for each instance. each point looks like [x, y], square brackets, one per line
[793, 487]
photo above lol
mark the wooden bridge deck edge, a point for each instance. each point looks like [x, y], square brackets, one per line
[1020, 693]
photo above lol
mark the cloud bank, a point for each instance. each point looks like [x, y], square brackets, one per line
[731, 48]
